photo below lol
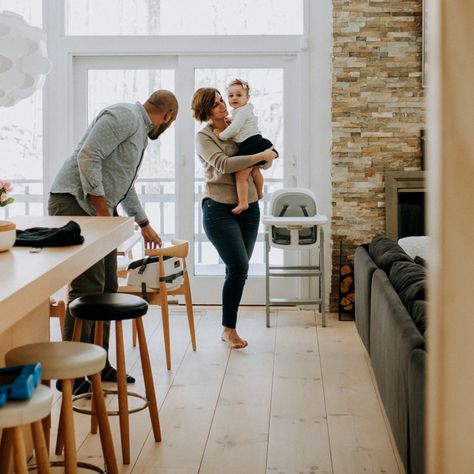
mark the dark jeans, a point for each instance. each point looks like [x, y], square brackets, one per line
[100, 278]
[234, 238]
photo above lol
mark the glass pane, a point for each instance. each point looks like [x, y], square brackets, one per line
[266, 86]
[21, 135]
[31, 11]
[21, 151]
[171, 17]
[156, 182]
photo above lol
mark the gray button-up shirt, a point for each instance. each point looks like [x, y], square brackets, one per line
[107, 159]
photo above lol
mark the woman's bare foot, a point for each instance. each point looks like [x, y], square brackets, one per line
[241, 207]
[233, 339]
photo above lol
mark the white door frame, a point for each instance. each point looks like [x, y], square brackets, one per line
[206, 289]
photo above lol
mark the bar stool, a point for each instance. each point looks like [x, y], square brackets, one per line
[13, 415]
[67, 361]
[118, 307]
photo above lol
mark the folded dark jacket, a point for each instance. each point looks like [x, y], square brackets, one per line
[69, 234]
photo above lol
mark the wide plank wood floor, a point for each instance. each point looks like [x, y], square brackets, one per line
[300, 399]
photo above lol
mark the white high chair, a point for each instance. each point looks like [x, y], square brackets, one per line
[294, 224]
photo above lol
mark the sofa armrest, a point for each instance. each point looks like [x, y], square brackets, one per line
[364, 267]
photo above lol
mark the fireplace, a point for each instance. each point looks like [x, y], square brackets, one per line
[404, 203]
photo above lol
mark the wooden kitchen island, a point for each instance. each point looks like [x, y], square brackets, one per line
[29, 279]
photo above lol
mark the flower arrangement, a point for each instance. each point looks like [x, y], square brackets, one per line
[5, 188]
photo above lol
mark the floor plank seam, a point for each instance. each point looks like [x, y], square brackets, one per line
[320, 328]
[214, 411]
[271, 392]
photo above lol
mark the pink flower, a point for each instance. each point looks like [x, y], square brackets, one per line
[5, 188]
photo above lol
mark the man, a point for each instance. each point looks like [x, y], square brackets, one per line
[99, 176]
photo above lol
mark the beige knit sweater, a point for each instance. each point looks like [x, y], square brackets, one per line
[219, 165]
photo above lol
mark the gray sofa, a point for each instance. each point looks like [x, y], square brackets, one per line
[390, 319]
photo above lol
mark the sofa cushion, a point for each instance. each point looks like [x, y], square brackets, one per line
[418, 315]
[408, 280]
[385, 251]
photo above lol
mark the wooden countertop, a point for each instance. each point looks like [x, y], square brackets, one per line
[28, 279]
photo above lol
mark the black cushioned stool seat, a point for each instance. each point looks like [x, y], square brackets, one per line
[116, 307]
[108, 307]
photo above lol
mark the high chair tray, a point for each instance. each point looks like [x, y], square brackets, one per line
[19, 382]
[283, 221]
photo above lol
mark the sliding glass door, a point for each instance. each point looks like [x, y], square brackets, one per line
[171, 181]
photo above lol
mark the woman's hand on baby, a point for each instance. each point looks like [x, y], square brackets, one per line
[269, 155]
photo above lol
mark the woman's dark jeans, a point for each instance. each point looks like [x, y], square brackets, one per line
[234, 238]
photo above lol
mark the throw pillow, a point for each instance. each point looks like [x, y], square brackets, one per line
[420, 261]
[416, 245]
[385, 251]
[408, 280]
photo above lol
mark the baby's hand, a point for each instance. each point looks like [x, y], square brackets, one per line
[216, 132]
[228, 120]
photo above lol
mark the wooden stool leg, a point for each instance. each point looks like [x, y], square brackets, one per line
[70, 457]
[6, 448]
[19, 451]
[60, 436]
[122, 393]
[189, 310]
[148, 379]
[104, 427]
[98, 340]
[41, 453]
[46, 422]
[76, 334]
[134, 334]
[166, 324]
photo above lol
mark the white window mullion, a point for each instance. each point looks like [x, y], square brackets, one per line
[57, 94]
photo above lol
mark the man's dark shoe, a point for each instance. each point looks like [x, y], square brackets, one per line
[84, 387]
[81, 385]
[109, 374]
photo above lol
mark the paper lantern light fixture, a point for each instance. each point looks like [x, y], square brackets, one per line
[23, 60]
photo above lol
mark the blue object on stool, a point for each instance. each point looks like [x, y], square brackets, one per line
[19, 382]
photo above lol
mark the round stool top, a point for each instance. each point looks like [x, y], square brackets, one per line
[22, 412]
[60, 360]
[108, 307]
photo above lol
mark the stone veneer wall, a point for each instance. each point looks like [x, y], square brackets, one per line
[377, 113]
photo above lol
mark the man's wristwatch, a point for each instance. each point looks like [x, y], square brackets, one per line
[144, 223]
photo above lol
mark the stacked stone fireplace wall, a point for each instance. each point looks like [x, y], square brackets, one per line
[378, 110]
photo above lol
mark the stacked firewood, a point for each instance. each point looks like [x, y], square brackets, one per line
[346, 289]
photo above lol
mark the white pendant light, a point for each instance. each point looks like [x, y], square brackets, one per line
[23, 60]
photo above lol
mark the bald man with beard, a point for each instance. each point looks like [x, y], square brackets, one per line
[100, 175]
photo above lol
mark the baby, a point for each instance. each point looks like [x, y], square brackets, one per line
[244, 131]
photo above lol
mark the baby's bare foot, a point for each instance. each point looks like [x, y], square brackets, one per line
[233, 339]
[241, 207]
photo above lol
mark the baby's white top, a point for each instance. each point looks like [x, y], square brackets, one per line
[244, 124]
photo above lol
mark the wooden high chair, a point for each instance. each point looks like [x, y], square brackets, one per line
[159, 296]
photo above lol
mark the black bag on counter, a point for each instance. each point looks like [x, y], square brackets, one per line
[68, 234]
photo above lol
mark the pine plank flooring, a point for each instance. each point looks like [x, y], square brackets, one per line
[301, 399]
